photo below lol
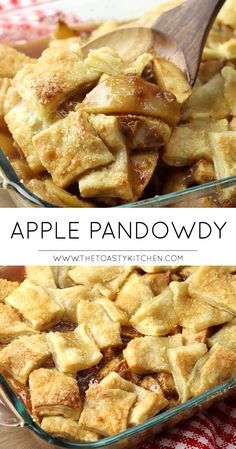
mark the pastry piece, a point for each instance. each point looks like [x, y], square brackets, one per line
[113, 181]
[54, 394]
[225, 50]
[227, 15]
[229, 75]
[149, 354]
[169, 77]
[48, 191]
[114, 312]
[143, 132]
[190, 336]
[12, 61]
[6, 288]
[43, 276]
[193, 312]
[147, 403]
[182, 361]
[189, 142]
[67, 428]
[70, 147]
[216, 367]
[104, 330]
[157, 317]
[56, 76]
[11, 324]
[23, 355]
[106, 60]
[36, 305]
[106, 411]
[106, 280]
[4, 86]
[207, 101]
[69, 298]
[24, 125]
[130, 94]
[11, 99]
[216, 286]
[157, 281]
[223, 153]
[226, 336]
[156, 268]
[133, 294]
[143, 164]
[74, 351]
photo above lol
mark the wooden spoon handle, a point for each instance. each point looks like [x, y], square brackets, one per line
[188, 25]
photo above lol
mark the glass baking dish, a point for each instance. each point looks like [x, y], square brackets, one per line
[214, 192]
[14, 414]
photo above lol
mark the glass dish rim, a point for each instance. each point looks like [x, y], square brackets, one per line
[107, 441]
[159, 200]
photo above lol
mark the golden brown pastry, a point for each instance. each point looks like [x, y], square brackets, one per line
[54, 394]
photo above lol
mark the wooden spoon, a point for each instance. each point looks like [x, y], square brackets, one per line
[178, 35]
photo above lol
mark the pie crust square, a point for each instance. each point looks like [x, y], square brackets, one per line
[36, 305]
[150, 319]
[56, 76]
[67, 428]
[11, 324]
[104, 330]
[216, 286]
[74, 351]
[146, 355]
[23, 355]
[133, 294]
[106, 411]
[70, 147]
[106, 280]
[147, 403]
[54, 394]
[214, 368]
[6, 288]
[182, 361]
[113, 181]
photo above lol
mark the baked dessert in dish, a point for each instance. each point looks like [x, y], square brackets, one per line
[108, 132]
[97, 350]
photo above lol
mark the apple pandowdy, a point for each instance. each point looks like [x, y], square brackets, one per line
[97, 350]
[108, 131]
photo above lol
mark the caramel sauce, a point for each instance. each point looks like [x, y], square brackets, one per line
[87, 377]
[14, 274]
[64, 327]
[128, 333]
[21, 391]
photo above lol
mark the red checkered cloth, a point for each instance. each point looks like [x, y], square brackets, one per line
[216, 428]
[29, 19]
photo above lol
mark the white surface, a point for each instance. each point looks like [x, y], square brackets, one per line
[26, 249]
[109, 9]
